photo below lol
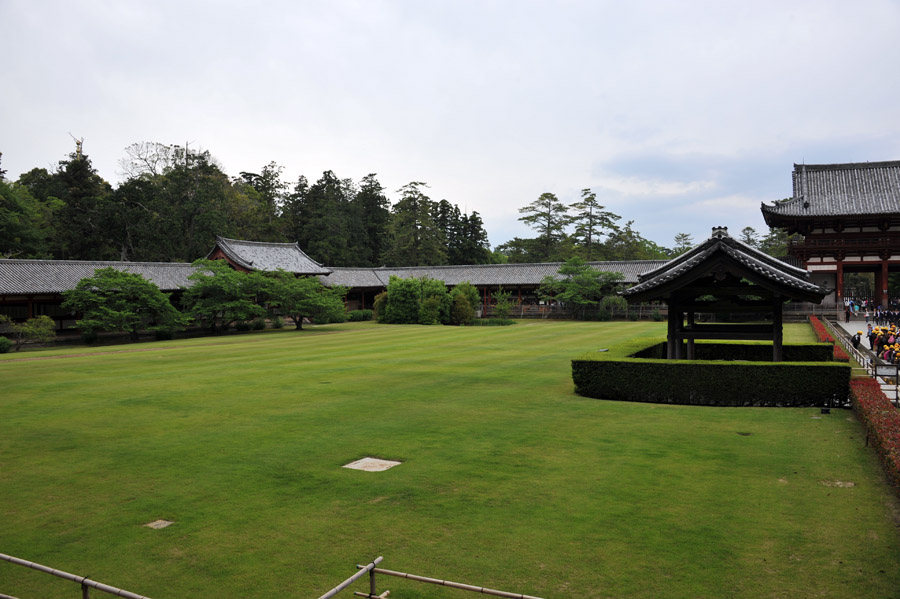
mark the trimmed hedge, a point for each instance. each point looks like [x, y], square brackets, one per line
[635, 371]
[750, 351]
[882, 422]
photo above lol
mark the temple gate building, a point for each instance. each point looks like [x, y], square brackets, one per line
[849, 217]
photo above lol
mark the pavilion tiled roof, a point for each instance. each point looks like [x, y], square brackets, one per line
[18, 277]
[751, 258]
[264, 256]
[480, 274]
[822, 190]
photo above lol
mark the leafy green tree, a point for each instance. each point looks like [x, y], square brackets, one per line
[435, 305]
[591, 222]
[271, 189]
[579, 286]
[40, 329]
[303, 297]
[113, 300]
[503, 303]
[683, 242]
[372, 210]
[627, 244]
[469, 291]
[81, 229]
[461, 310]
[750, 236]
[25, 223]
[403, 299]
[220, 296]
[415, 238]
[548, 216]
[776, 242]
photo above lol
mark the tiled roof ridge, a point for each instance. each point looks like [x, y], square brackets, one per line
[721, 236]
[259, 243]
[109, 262]
[846, 165]
[507, 265]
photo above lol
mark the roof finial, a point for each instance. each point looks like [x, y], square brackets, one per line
[720, 232]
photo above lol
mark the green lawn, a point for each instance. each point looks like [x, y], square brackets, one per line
[509, 480]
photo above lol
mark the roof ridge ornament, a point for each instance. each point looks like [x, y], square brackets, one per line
[720, 232]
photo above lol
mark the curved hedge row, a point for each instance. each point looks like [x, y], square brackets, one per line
[618, 374]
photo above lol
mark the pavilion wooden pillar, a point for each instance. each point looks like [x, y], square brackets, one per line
[690, 342]
[777, 329]
[672, 333]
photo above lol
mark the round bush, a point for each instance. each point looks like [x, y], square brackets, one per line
[5, 345]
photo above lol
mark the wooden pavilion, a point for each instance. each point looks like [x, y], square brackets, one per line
[723, 276]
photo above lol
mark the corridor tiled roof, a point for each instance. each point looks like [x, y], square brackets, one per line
[863, 188]
[19, 277]
[480, 274]
[265, 256]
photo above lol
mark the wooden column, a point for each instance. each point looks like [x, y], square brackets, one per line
[839, 289]
[777, 329]
[671, 333]
[690, 342]
[881, 285]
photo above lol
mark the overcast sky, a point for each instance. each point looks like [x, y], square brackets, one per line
[678, 115]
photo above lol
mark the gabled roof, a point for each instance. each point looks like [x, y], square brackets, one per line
[264, 256]
[756, 266]
[480, 274]
[823, 190]
[34, 277]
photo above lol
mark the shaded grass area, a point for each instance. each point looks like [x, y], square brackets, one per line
[509, 480]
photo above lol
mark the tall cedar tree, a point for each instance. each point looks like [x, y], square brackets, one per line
[415, 238]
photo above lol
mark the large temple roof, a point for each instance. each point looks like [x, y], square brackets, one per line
[721, 253]
[830, 190]
[264, 256]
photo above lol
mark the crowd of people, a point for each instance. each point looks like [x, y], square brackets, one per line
[872, 313]
[883, 341]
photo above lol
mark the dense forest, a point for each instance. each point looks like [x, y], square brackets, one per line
[173, 202]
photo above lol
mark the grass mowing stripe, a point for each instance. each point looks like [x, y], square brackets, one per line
[508, 480]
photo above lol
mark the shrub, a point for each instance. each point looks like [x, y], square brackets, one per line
[403, 299]
[823, 335]
[379, 307]
[430, 310]
[5, 345]
[259, 324]
[461, 311]
[89, 336]
[467, 290]
[359, 315]
[882, 422]
[277, 323]
[243, 326]
[657, 316]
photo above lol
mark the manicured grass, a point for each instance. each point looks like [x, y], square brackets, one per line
[509, 480]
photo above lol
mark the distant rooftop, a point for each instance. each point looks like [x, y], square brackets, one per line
[55, 276]
[852, 189]
[265, 256]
